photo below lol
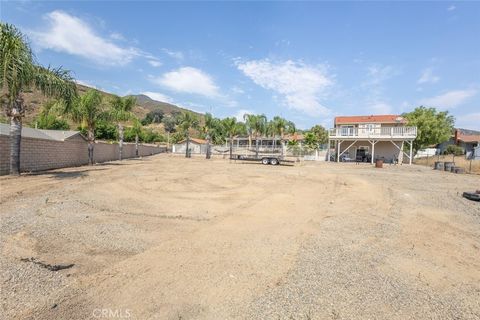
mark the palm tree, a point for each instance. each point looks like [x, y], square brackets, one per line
[187, 121]
[281, 126]
[137, 130]
[249, 119]
[121, 112]
[169, 124]
[19, 71]
[257, 125]
[208, 127]
[88, 110]
[231, 128]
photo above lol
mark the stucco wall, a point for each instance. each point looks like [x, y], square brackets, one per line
[383, 149]
[39, 154]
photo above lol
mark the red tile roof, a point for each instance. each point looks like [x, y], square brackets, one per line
[388, 118]
[469, 138]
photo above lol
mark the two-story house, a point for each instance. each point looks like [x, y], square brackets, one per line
[367, 138]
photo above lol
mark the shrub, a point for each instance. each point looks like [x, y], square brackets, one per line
[454, 149]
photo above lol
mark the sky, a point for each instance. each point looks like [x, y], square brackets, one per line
[305, 61]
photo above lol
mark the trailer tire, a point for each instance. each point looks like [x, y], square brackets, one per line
[274, 161]
[265, 161]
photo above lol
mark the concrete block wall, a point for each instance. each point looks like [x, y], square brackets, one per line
[40, 154]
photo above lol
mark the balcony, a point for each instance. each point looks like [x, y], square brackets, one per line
[409, 133]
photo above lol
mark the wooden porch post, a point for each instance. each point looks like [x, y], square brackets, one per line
[338, 151]
[373, 150]
[411, 149]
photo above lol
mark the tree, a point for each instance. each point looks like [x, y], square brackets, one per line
[154, 116]
[310, 140]
[49, 117]
[249, 119]
[87, 110]
[256, 125]
[121, 112]
[169, 124]
[18, 72]
[231, 128]
[433, 127]
[320, 133]
[137, 130]
[210, 124]
[187, 121]
[455, 150]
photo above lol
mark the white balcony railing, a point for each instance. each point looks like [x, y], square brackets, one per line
[382, 132]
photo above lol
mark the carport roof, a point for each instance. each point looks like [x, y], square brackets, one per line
[56, 135]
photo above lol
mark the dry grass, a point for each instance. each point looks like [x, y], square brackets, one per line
[472, 166]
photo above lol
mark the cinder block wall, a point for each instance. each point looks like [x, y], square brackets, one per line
[39, 154]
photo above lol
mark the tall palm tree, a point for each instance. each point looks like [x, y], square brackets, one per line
[19, 71]
[87, 111]
[249, 120]
[258, 125]
[231, 128]
[208, 127]
[187, 121]
[137, 130]
[281, 125]
[121, 112]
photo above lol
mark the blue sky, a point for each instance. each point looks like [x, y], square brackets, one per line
[306, 61]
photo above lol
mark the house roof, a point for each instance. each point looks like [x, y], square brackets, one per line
[387, 118]
[56, 135]
[469, 138]
[195, 140]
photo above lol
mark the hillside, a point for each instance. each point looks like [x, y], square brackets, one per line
[34, 100]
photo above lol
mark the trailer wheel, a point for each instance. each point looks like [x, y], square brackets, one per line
[265, 161]
[274, 161]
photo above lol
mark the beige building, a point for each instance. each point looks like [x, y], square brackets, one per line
[367, 138]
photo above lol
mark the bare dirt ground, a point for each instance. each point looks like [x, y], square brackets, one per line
[171, 238]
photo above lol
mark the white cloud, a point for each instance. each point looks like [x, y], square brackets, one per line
[450, 99]
[158, 96]
[451, 8]
[66, 33]
[155, 63]
[189, 80]
[301, 86]
[427, 76]
[240, 113]
[178, 55]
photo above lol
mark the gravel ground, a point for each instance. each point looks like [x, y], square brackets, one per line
[172, 238]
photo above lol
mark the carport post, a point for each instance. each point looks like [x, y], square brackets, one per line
[411, 147]
[373, 150]
[338, 150]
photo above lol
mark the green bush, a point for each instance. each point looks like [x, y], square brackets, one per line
[51, 122]
[106, 130]
[455, 150]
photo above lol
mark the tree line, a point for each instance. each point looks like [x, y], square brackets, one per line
[114, 119]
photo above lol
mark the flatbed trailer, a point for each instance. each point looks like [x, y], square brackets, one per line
[266, 159]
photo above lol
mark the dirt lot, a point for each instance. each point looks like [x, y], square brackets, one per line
[172, 238]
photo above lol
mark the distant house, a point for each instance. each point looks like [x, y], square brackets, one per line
[366, 138]
[195, 145]
[464, 138]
